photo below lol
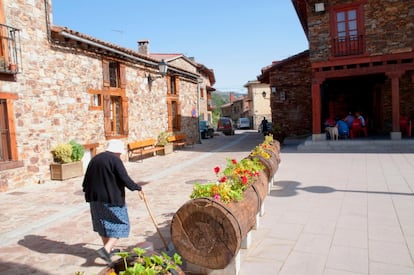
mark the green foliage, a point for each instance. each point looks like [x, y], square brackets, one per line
[62, 153]
[163, 138]
[231, 183]
[77, 151]
[67, 152]
[149, 265]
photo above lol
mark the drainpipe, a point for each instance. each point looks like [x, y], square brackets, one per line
[199, 81]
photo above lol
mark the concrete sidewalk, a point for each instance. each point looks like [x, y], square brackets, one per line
[326, 213]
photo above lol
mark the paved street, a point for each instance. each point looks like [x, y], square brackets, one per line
[326, 213]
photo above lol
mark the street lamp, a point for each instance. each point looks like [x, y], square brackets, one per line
[162, 68]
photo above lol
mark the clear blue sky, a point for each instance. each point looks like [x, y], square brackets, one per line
[234, 38]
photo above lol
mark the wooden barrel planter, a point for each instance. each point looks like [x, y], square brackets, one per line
[209, 233]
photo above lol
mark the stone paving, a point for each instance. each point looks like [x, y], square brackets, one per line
[326, 213]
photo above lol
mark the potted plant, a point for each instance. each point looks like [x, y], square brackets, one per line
[143, 263]
[279, 133]
[67, 161]
[162, 141]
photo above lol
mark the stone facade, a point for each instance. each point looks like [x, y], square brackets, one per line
[388, 27]
[53, 102]
[292, 102]
[260, 106]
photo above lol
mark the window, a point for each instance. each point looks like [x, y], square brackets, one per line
[174, 113]
[8, 146]
[113, 74]
[115, 115]
[96, 99]
[113, 99]
[347, 30]
[173, 82]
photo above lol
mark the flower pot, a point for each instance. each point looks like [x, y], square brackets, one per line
[66, 170]
[168, 149]
[209, 233]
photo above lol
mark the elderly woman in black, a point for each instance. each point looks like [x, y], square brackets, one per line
[104, 186]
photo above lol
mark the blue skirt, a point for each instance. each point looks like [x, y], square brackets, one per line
[110, 221]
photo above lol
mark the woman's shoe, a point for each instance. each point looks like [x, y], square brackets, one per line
[114, 251]
[104, 255]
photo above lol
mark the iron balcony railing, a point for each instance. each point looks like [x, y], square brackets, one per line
[348, 45]
[10, 50]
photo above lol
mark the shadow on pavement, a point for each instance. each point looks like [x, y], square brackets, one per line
[19, 269]
[45, 246]
[290, 188]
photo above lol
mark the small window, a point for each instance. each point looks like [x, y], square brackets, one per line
[96, 102]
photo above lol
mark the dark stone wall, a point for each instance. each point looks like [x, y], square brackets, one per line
[293, 77]
[388, 27]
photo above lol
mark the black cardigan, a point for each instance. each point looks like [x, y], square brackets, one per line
[106, 178]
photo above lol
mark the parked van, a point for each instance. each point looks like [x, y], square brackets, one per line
[243, 123]
[225, 125]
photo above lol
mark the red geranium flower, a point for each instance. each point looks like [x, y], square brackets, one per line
[223, 179]
[216, 169]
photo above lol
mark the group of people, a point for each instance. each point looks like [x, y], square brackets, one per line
[345, 124]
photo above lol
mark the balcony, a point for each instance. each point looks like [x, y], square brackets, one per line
[10, 51]
[348, 45]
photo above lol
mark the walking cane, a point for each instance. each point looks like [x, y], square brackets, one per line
[153, 219]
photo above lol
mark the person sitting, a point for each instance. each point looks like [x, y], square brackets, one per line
[343, 130]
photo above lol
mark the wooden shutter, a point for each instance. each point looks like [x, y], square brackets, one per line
[122, 76]
[177, 85]
[107, 115]
[125, 116]
[168, 84]
[179, 115]
[105, 71]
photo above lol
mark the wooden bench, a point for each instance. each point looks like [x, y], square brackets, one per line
[142, 148]
[179, 140]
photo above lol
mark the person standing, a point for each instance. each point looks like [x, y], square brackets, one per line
[349, 119]
[104, 187]
[361, 118]
[264, 126]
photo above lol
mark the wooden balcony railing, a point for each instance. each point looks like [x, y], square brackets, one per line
[348, 45]
[10, 50]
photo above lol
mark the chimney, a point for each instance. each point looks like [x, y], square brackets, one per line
[143, 47]
[231, 97]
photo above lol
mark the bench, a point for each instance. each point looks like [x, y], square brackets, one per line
[179, 140]
[142, 148]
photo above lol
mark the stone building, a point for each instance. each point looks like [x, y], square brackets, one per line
[291, 101]
[361, 58]
[65, 85]
[258, 96]
[237, 107]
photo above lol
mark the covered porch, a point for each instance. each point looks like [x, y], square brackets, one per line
[381, 88]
